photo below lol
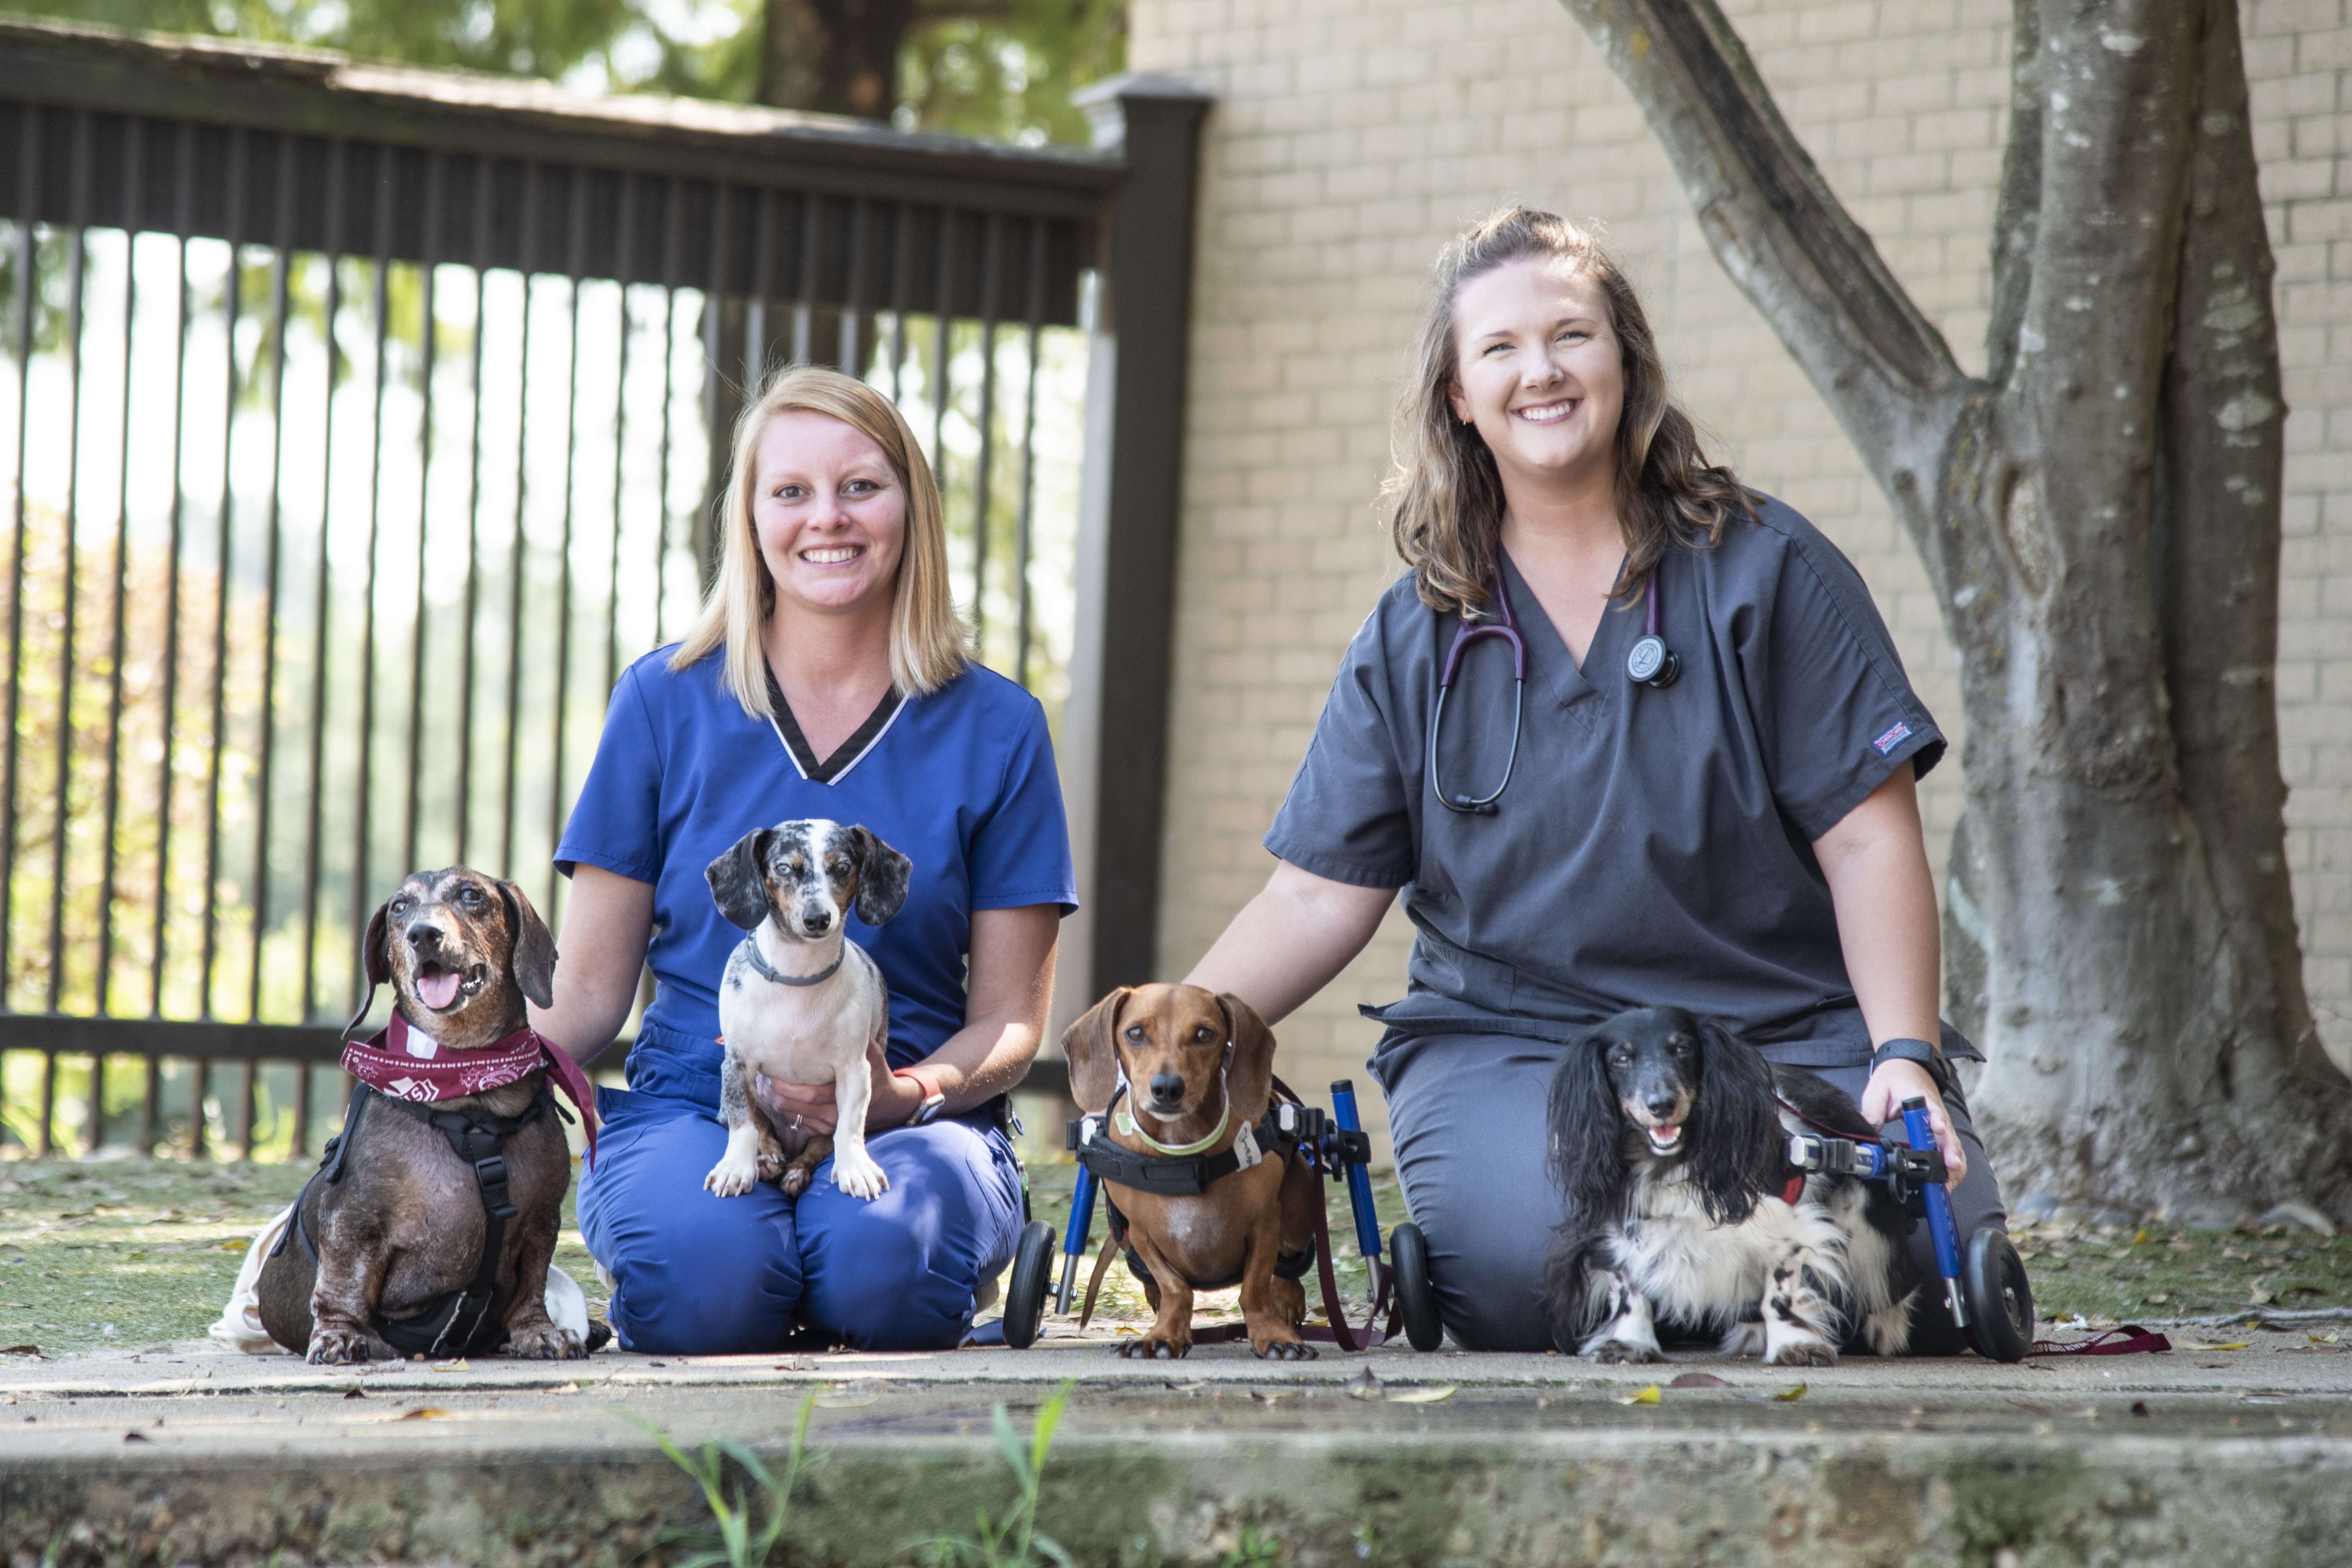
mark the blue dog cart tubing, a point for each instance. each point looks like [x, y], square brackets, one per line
[1074, 1240]
[1359, 1179]
[1939, 1212]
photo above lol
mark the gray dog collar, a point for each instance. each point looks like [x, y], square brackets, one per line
[769, 972]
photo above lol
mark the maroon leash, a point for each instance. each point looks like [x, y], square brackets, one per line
[2128, 1339]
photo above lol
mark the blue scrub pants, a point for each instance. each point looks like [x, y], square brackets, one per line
[1467, 1116]
[699, 1275]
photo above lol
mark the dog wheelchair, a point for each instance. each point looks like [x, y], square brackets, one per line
[1334, 1144]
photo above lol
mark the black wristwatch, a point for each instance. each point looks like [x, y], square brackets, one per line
[1919, 1051]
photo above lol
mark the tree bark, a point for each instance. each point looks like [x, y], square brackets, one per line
[833, 57]
[2099, 515]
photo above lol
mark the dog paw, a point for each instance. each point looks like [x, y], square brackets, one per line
[549, 1343]
[860, 1178]
[771, 1166]
[1155, 1349]
[1802, 1352]
[730, 1179]
[794, 1181]
[1285, 1350]
[1617, 1353]
[336, 1347]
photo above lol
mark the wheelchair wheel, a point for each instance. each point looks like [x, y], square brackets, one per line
[1033, 1277]
[1409, 1258]
[1999, 1297]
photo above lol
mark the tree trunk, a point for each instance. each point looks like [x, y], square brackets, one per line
[2100, 519]
[833, 57]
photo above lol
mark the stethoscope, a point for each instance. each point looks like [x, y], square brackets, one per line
[1649, 662]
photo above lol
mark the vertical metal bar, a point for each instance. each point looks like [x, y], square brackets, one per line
[48, 1104]
[988, 280]
[249, 1094]
[301, 1149]
[713, 341]
[855, 290]
[1022, 541]
[94, 1122]
[362, 815]
[338, 171]
[428, 333]
[804, 286]
[901, 260]
[574, 263]
[200, 1074]
[626, 225]
[215, 743]
[148, 1101]
[280, 280]
[516, 557]
[184, 183]
[132, 173]
[673, 233]
[471, 631]
[941, 355]
[77, 267]
[755, 302]
[28, 175]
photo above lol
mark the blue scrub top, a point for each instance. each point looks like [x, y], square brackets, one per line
[961, 782]
[1655, 845]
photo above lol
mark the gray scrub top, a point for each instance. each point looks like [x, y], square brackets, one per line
[1655, 845]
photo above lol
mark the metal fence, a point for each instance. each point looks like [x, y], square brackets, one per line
[366, 423]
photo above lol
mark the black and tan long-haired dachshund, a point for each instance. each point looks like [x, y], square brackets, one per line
[1669, 1141]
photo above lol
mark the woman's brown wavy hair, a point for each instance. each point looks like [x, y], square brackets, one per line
[1446, 497]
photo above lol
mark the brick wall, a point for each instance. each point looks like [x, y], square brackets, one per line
[1352, 137]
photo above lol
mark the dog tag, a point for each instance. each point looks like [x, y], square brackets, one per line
[1245, 1148]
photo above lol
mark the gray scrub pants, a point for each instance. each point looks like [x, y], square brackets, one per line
[1467, 1118]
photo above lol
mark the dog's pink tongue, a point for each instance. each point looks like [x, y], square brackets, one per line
[438, 989]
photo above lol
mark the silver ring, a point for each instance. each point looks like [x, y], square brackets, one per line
[796, 1123]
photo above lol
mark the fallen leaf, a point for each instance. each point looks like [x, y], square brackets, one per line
[424, 1413]
[1649, 1396]
[845, 1401]
[1364, 1385]
[20, 1349]
[2139, 1406]
[1268, 1397]
[137, 1438]
[2159, 1299]
[1427, 1396]
[1698, 1380]
[2324, 1338]
[566, 1388]
[460, 1364]
[1788, 1393]
[236, 1244]
[354, 1394]
[1188, 1387]
[2232, 1345]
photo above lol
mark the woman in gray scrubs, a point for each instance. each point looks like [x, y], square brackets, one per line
[1742, 839]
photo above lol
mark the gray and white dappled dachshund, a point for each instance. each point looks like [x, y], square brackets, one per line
[452, 1140]
[800, 1002]
[1180, 1074]
[1669, 1141]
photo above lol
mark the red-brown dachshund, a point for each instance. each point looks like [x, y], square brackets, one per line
[1198, 1071]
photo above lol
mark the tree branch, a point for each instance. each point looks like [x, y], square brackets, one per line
[1784, 238]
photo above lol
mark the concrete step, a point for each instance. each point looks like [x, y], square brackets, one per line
[192, 1455]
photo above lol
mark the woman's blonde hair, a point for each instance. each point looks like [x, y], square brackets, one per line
[929, 643]
[1446, 496]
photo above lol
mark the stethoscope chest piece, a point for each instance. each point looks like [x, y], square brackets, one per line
[1650, 662]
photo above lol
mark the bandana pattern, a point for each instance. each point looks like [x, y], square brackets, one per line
[408, 1063]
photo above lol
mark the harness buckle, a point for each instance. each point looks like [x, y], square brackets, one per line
[491, 1173]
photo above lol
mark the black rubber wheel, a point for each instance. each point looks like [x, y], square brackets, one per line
[1033, 1278]
[1409, 1257]
[1999, 1297]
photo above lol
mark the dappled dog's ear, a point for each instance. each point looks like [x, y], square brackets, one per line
[882, 875]
[1586, 1141]
[375, 947]
[532, 962]
[1737, 1144]
[736, 885]
[1091, 1047]
[1250, 1083]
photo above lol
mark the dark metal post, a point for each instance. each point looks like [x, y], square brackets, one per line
[1148, 249]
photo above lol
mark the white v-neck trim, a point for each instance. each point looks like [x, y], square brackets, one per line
[847, 768]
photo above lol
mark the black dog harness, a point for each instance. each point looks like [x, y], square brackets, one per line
[459, 1322]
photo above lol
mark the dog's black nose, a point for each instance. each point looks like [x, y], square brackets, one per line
[1662, 1106]
[422, 935]
[816, 920]
[1166, 1087]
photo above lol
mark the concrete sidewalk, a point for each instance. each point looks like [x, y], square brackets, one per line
[194, 1453]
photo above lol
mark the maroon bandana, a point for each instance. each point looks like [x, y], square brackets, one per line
[408, 1063]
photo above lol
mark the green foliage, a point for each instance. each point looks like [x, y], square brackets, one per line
[741, 1539]
[1253, 1550]
[1007, 72]
[1013, 1542]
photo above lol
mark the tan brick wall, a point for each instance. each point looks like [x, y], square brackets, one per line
[1352, 137]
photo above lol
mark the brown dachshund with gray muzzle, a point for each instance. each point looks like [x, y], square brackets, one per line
[1185, 1073]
